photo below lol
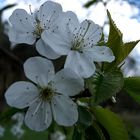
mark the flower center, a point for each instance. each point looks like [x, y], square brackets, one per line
[79, 36]
[46, 94]
[38, 29]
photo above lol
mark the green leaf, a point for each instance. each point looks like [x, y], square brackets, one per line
[84, 121]
[85, 117]
[136, 133]
[125, 49]
[112, 123]
[94, 132]
[132, 87]
[121, 50]
[115, 37]
[103, 86]
[77, 135]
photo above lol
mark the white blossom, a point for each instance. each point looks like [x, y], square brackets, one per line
[27, 28]
[2, 130]
[17, 130]
[58, 136]
[48, 96]
[19, 118]
[79, 41]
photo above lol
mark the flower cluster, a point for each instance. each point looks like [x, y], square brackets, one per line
[55, 33]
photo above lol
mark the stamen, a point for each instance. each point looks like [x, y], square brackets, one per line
[93, 44]
[36, 109]
[34, 100]
[101, 42]
[47, 116]
[46, 93]
[30, 8]
[79, 36]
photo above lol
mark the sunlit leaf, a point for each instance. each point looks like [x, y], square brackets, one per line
[112, 123]
[126, 48]
[120, 49]
[115, 37]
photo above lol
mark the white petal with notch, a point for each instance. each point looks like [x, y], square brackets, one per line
[38, 69]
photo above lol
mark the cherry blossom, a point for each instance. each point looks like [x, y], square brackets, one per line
[80, 42]
[48, 96]
[27, 28]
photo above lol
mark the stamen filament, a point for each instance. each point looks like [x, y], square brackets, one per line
[79, 37]
[36, 109]
[30, 8]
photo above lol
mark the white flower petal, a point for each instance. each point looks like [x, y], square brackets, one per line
[22, 21]
[100, 54]
[21, 94]
[80, 64]
[87, 34]
[64, 110]
[39, 70]
[48, 13]
[93, 33]
[67, 82]
[59, 43]
[46, 50]
[60, 40]
[39, 116]
[21, 37]
[69, 22]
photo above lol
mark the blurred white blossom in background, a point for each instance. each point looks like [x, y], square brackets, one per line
[58, 136]
[17, 129]
[2, 130]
